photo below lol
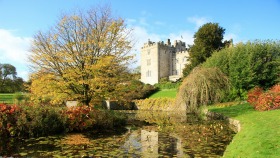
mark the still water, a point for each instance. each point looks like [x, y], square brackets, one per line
[148, 134]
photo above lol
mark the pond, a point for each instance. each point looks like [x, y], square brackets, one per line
[147, 134]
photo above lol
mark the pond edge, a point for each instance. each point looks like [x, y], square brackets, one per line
[235, 125]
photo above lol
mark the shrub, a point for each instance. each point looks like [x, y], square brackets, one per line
[40, 121]
[263, 101]
[254, 94]
[164, 83]
[79, 118]
[8, 119]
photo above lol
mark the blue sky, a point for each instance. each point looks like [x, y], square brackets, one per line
[156, 20]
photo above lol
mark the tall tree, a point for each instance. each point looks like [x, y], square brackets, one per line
[83, 57]
[207, 39]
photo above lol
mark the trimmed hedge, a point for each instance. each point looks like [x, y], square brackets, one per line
[163, 104]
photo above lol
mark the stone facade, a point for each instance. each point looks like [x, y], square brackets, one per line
[159, 60]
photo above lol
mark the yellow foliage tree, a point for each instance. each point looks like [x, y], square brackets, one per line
[84, 56]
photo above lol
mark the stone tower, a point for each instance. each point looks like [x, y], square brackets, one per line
[159, 60]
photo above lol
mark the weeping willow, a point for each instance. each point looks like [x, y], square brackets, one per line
[203, 86]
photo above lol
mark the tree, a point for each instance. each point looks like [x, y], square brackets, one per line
[83, 57]
[202, 86]
[207, 39]
[7, 71]
[9, 82]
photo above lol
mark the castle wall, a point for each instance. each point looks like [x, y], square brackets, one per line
[150, 63]
[164, 61]
[160, 60]
[181, 61]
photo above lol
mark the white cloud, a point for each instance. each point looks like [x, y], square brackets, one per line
[198, 21]
[141, 36]
[14, 50]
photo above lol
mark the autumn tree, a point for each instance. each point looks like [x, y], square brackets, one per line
[83, 57]
[207, 39]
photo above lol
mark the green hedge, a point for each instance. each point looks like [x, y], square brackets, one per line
[248, 65]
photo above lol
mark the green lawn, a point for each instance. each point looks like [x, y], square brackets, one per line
[6, 98]
[165, 93]
[259, 135]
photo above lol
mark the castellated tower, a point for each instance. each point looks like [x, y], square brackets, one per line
[159, 60]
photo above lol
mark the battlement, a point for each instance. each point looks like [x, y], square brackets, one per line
[178, 45]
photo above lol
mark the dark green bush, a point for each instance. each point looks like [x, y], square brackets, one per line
[40, 121]
[248, 65]
[164, 83]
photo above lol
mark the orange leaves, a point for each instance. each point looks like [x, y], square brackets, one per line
[263, 101]
[80, 118]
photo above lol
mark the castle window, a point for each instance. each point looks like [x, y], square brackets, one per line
[149, 73]
[148, 52]
[149, 62]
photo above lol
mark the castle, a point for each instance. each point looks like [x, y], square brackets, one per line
[160, 60]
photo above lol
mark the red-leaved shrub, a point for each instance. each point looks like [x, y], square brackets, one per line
[263, 101]
[253, 95]
[8, 119]
[80, 118]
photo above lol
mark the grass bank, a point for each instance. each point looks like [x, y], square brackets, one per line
[13, 98]
[7, 98]
[165, 93]
[259, 135]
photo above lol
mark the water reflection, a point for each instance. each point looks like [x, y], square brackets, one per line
[148, 134]
[149, 141]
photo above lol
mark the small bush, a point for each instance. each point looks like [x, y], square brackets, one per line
[263, 101]
[166, 84]
[254, 94]
[8, 119]
[79, 118]
[34, 121]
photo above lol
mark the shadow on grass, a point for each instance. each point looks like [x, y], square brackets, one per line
[233, 111]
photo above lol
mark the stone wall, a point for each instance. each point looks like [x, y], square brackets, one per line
[234, 124]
